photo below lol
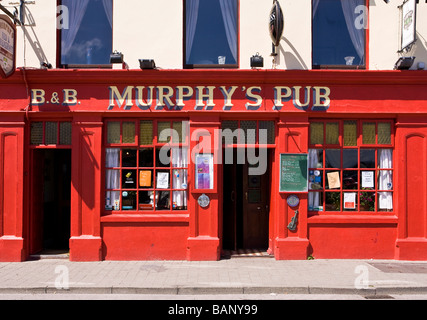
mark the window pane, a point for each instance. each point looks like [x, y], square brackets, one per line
[112, 158]
[315, 158]
[367, 158]
[211, 32]
[249, 130]
[163, 131]
[163, 157]
[230, 131]
[332, 133]
[332, 201]
[129, 179]
[88, 39]
[179, 179]
[51, 133]
[349, 180]
[128, 132]
[384, 133]
[163, 200]
[129, 200]
[315, 201]
[368, 133]
[180, 131]
[350, 158]
[146, 158]
[36, 133]
[129, 158]
[113, 132]
[333, 158]
[350, 133]
[316, 133]
[65, 133]
[268, 126]
[146, 200]
[179, 201]
[338, 38]
[367, 201]
[146, 132]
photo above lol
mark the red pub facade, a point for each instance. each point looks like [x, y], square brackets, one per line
[135, 165]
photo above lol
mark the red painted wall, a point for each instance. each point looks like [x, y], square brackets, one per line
[196, 234]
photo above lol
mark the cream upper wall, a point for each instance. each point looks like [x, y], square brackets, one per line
[144, 29]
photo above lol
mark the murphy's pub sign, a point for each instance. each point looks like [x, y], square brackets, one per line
[187, 98]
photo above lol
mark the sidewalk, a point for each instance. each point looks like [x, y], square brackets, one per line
[258, 275]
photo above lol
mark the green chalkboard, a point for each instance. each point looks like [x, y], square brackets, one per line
[293, 172]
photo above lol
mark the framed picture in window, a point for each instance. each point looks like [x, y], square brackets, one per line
[204, 171]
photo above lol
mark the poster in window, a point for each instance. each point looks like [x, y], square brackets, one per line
[334, 180]
[367, 179]
[145, 178]
[162, 180]
[349, 200]
[204, 171]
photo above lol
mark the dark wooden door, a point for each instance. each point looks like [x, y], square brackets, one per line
[255, 189]
[36, 215]
[230, 207]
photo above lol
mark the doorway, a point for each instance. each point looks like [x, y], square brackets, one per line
[50, 201]
[245, 207]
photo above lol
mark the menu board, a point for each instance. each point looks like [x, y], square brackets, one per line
[293, 172]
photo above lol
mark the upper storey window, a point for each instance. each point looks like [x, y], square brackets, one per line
[211, 33]
[86, 38]
[339, 33]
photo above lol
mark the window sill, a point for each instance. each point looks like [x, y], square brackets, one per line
[344, 218]
[338, 67]
[149, 217]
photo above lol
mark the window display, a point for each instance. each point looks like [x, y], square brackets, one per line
[148, 177]
[357, 173]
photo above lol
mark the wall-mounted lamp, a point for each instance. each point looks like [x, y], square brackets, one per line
[257, 61]
[118, 58]
[404, 63]
[147, 64]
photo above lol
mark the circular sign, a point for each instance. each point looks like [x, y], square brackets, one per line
[203, 201]
[293, 200]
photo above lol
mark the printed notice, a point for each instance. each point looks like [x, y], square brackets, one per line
[349, 200]
[162, 180]
[367, 179]
[334, 180]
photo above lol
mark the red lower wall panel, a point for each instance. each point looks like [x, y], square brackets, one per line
[144, 242]
[352, 242]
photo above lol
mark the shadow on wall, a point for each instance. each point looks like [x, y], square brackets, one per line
[31, 36]
[292, 59]
[419, 51]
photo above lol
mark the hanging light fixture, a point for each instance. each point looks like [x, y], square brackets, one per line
[276, 25]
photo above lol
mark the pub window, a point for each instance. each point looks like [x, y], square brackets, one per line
[86, 37]
[211, 33]
[44, 133]
[339, 33]
[351, 166]
[146, 166]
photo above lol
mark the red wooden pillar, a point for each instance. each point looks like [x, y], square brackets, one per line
[290, 245]
[411, 183]
[86, 242]
[11, 189]
[203, 243]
